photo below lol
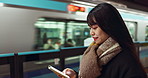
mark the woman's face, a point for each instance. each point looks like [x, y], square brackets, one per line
[98, 34]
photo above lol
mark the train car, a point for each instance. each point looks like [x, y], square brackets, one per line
[27, 29]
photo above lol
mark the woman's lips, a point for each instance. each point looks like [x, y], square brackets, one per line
[95, 38]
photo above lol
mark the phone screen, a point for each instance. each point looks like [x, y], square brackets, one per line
[57, 72]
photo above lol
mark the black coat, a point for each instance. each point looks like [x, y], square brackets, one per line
[124, 65]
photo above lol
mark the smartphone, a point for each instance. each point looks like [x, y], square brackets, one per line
[57, 72]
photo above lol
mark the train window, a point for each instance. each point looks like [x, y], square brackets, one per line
[132, 27]
[78, 32]
[146, 33]
[56, 33]
[49, 34]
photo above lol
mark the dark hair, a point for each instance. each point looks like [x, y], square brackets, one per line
[109, 20]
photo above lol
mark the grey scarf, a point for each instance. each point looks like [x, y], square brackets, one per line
[97, 55]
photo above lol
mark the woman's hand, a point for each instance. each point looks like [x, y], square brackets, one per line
[71, 73]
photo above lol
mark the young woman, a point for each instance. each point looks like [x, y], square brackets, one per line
[112, 54]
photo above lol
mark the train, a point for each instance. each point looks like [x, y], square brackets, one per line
[25, 29]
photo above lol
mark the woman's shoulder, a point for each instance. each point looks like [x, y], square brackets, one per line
[125, 64]
[124, 56]
[125, 59]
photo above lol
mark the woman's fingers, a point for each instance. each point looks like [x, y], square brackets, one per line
[71, 73]
[60, 76]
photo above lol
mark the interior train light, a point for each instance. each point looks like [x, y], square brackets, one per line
[74, 8]
[1, 4]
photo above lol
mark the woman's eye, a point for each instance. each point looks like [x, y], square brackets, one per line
[94, 28]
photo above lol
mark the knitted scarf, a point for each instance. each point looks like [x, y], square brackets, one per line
[96, 56]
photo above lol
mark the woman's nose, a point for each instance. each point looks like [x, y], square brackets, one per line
[92, 33]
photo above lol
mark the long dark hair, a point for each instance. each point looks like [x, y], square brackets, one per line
[110, 21]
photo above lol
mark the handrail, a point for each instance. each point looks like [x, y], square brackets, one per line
[39, 55]
[7, 55]
[72, 51]
[16, 66]
[37, 52]
[5, 58]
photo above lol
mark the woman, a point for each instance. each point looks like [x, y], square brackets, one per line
[112, 54]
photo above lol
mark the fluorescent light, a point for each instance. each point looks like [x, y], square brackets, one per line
[85, 3]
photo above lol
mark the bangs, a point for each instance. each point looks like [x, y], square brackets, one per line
[91, 20]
